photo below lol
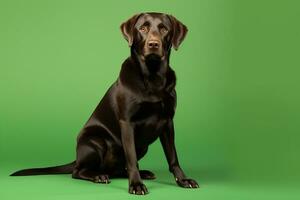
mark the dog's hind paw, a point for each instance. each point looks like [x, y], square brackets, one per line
[102, 179]
[146, 174]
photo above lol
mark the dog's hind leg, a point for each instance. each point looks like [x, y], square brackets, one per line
[89, 166]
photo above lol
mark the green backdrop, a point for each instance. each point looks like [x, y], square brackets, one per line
[238, 114]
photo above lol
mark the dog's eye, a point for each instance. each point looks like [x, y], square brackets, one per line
[163, 30]
[144, 29]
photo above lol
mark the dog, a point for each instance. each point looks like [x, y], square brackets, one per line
[136, 110]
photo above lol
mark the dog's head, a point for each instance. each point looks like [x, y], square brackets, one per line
[153, 34]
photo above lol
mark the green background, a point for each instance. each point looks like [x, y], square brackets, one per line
[238, 115]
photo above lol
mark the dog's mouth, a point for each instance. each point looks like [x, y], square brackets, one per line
[153, 62]
[152, 56]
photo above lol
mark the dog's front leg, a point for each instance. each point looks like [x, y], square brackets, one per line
[167, 141]
[136, 185]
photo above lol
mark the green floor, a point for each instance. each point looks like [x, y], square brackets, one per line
[211, 187]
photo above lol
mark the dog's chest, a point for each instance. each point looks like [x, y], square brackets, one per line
[150, 119]
[147, 112]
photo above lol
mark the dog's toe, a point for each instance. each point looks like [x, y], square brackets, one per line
[102, 179]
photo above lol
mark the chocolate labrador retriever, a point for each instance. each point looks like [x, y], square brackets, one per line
[136, 110]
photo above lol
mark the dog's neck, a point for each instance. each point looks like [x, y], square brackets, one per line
[153, 71]
[150, 67]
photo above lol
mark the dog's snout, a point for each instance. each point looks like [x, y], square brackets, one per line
[153, 44]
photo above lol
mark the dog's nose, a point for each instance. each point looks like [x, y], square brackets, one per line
[153, 44]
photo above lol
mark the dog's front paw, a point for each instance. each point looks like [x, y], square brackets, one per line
[187, 183]
[138, 188]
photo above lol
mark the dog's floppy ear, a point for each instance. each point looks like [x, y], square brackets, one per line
[127, 28]
[179, 32]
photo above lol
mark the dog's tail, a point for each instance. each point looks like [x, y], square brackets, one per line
[62, 169]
